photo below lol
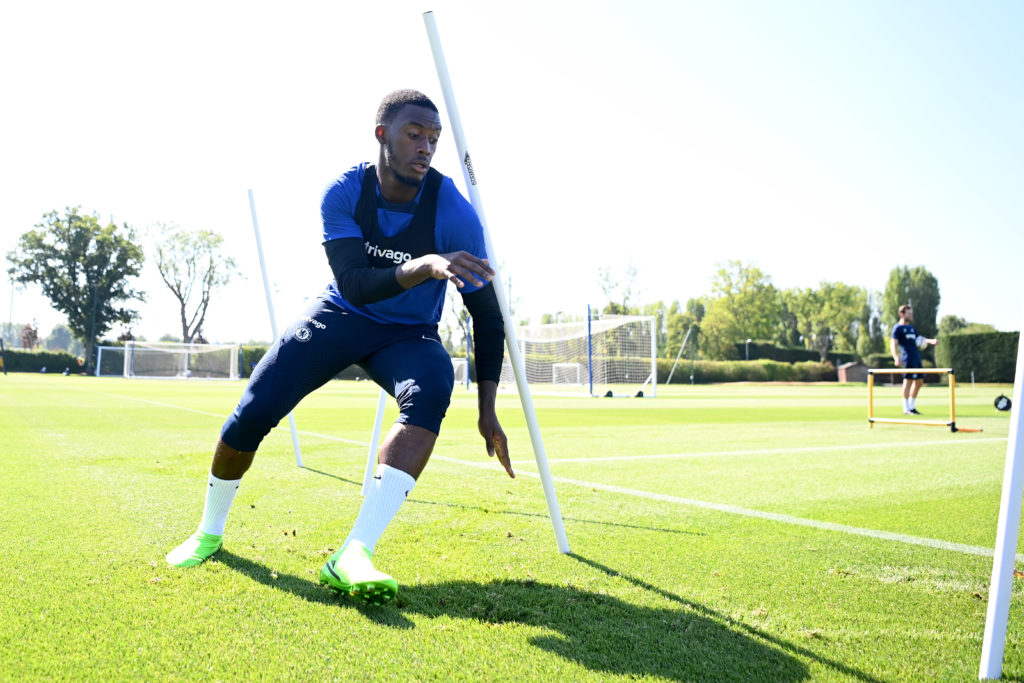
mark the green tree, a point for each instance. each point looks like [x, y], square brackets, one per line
[869, 331]
[951, 323]
[193, 268]
[743, 305]
[12, 334]
[83, 268]
[618, 291]
[977, 328]
[659, 311]
[917, 287]
[828, 317]
[61, 338]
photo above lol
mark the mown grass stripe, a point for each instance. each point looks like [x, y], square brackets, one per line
[759, 514]
[707, 505]
[767, 451]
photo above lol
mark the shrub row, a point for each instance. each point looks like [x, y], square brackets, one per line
[762, 350]
[991, 356]
[704, 371]
[709, 371]
[22, 360]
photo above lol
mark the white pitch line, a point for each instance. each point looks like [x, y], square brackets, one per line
[706, 505]
[763, 451]
[758, 514]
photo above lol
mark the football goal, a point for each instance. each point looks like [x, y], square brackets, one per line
[608, 356]
[168, 360]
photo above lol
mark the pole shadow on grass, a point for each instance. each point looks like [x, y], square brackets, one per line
[478, 508]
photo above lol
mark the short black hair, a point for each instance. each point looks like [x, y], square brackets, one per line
[393, 102]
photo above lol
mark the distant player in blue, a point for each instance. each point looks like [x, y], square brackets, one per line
[395, 234]
[905, 346]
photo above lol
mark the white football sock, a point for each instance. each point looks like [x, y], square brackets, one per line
[912, 402]
[385, 495]
[906, 404]
[220, 495]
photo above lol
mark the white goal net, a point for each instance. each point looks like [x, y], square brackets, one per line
[614, 354]
[168, 360]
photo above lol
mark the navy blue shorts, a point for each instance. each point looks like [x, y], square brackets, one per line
[407, 361]
[908, 363]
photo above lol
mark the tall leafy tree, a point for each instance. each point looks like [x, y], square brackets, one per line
[193, 268]
[83, 268]
[743, 305]
[917, 287]
[951, 324]
[61, 338]
[618, 291]
[870, 338]
[828, 317]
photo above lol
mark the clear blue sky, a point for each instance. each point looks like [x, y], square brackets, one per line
[816, 139]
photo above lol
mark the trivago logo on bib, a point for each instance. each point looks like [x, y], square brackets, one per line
[389, 254]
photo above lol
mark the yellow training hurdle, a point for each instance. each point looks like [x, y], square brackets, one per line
[951, 423]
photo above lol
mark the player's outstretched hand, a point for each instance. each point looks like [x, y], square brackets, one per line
[461, 267]
[496, 441]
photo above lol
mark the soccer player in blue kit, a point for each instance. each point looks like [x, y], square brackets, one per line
[395, 234]
[905, 345]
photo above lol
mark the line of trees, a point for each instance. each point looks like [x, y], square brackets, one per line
[744, 305]
[86, 270]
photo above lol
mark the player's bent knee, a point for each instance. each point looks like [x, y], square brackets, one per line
[247, 426]
[423, 401]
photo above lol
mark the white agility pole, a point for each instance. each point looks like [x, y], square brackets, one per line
[273, 318]
[371, 456]
[510, 330]
[994, 643]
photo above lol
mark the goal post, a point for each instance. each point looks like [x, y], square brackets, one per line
[168, 360]
[951, 422]
[609, 355]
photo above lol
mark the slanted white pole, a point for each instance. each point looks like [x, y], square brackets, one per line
[510, 330]
[998, 615]
[273, 318]
[371, 456]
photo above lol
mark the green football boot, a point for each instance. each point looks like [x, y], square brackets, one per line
[195, 550]
[351, 571]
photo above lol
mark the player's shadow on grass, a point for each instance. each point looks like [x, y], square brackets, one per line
[610, 636]
[307, 588]
[684, 641]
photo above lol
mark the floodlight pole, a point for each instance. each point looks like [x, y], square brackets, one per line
[273, 318]
[998, 613]
[510, 330]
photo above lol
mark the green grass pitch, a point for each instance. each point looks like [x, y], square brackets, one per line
[730, 532]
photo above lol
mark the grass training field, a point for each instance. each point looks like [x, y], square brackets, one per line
[729, 532]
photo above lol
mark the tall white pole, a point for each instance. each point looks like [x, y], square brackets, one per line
[998, 615]
[273, 318]
[371, 455]
[510, 330]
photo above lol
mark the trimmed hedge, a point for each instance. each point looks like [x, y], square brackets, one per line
[760, 350]
[20, 360]
[991, 356]
[710, 371]
[705, 372]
